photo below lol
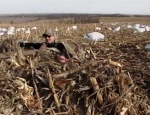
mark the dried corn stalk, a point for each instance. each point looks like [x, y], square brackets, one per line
[96, 88]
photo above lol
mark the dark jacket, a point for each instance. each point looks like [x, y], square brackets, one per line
[60, 46]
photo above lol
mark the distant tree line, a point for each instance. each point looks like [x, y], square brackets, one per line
[84, 20]
[62, 18]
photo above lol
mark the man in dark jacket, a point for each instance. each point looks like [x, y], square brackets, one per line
[66, 52]
[49, 36]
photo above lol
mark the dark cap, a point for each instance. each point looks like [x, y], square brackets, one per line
[48, 32]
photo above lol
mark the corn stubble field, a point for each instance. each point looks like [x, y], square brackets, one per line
[111, 77]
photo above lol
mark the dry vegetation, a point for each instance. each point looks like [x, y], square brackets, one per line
[111, 78]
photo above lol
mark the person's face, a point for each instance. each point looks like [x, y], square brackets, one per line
[49, 39]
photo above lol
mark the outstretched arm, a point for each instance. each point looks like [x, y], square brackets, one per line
[36, 45]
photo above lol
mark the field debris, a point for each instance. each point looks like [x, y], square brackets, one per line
[109, 76]
[110, 80]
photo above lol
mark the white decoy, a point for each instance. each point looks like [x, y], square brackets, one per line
[136, 26]
[116, 29]
[34, 28]
[114, 23]
[94, 36]
[129, 26]
[11, 28]
[139, 30]
[97, 28]
[10, 32]
[147, 28]
[147, 47]
[28, 31]
[4, 29]
[109, 28]
[143, 26]
[73, 27]
[56, 29]
[18, 29]
[101, 23]
[23, 29]
[68, 30]
[1, 33]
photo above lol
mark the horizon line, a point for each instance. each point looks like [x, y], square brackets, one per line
[76, 13]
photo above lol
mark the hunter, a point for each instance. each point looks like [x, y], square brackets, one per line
[65, 51]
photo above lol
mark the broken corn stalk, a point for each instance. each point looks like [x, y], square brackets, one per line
[114, 63]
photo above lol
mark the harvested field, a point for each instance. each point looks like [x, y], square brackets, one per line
[111, 77]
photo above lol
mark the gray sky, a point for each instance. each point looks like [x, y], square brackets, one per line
[75, 6]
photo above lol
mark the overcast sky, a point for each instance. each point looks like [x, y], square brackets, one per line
[75, 6]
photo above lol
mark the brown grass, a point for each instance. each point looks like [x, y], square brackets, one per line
[115, 81]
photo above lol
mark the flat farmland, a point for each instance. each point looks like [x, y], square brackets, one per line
[110, 77]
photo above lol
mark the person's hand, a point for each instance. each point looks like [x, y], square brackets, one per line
[43, 47]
